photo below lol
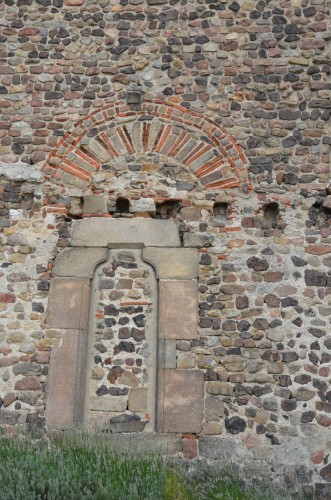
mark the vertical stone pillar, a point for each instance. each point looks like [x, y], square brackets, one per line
[180, 392]
[68, 310]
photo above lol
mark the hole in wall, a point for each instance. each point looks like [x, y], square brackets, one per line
[221, 210]
[270, 215]
[122, 206]
[167, 209]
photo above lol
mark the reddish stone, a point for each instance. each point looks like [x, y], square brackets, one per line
[73, 3]
[186, 435]
[317, 457]
[28, 31]
[323, 406]
[324, 371]
[8, 361]
[9, 399]
[190, 448]
[42, 357]
[7, 298]
[318, 249]
[323, 420]
[27, 384]
[311, 43]
[273, 276]
[6, 350]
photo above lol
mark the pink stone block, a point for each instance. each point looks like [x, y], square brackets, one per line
[73, 3]
[180, 401]
[68, 303]
[65, 384]
[178, 309]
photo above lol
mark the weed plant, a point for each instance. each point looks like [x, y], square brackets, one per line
[79, 466]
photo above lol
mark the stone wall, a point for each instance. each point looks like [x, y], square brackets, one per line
[216, 115]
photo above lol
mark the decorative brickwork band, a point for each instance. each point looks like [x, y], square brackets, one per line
[190, 139]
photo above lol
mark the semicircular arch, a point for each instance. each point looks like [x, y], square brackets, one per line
[189, 138]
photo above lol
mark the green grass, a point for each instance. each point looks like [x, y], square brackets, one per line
[103, 467]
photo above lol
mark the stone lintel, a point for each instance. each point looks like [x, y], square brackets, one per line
[68, 303]
[180, 402]
[65, 383]
[78, 262]
[178, 309]
[173, 263]
[100, 232]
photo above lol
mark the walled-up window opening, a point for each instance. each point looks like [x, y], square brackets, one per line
[167, 209]
[221, 210]
[270, 215]
[122, 206]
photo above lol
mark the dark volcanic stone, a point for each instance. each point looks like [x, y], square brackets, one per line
[298, 262]
[126, 423]
[102, 390]
[307, 416]
[288, 404]
[124, 346]
[326, 473]
[205, 259]
[289, 356]
[137, 335]
[261, 324]
[139, 320]
[242, 302]
[234, 425]
[257, 264]
[315, 278]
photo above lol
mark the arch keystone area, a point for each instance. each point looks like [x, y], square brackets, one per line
[188, 138]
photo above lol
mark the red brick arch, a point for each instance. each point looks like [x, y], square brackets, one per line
[189, 138]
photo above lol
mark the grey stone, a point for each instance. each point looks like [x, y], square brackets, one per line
[198, 240]
[166, 353]
[234, 425]
[257, 264]
[108, 403]
[78, 262]
[26, 368]
[216, 448]
[143, 205]
[214, 408]
[95, 204]
[126, 423]
[21, 172]
[101, 232]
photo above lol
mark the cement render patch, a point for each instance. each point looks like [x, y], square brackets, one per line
[78, 262]
[173, 263]
[101, 232]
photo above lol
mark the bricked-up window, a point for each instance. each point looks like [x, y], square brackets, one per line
[167, 209]
[221, 210]
[122, 206]
[270, 215]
